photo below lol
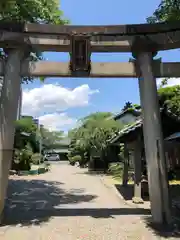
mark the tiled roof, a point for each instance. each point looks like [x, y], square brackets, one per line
[129, 128]
[137, 124]
[135, 112]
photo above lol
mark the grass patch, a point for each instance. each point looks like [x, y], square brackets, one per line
[35, 170]
[115, 175]
[174, 182]
[116, 172]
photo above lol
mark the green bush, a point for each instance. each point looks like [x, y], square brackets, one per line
[24, 160]
[69, 155]
[116, 169]
[77, 158]
[74, 159]
[36, 158]
[71, 161]
[83, 161]
[70, 158]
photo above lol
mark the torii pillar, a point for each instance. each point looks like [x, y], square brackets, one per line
[10, 93]
[153, 140]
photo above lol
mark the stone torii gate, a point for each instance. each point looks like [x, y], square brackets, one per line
[143, 40]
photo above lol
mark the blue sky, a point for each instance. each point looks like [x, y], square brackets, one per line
[112, 93]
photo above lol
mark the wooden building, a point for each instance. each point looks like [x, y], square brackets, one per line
[132, 138]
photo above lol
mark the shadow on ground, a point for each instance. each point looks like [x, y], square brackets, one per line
[127, 192]
[36, 201]
[165, 231]
[28, 200]
[91, 173]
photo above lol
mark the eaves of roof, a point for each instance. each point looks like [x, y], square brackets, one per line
[126, 130]
[137, 124]
[130, 110]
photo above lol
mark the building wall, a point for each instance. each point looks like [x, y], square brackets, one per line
[172, 154]
[127, 118]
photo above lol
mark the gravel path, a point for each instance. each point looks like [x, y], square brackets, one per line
[67, 204]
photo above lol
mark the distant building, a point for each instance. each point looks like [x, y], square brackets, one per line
[63, 148]
[26, 116]
[36, 121]
[128, 116]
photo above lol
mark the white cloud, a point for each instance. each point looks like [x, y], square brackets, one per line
[52, 98]
[57, 121]
[171, 82]
[49, 102]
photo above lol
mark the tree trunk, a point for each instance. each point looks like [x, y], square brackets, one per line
[8, 115]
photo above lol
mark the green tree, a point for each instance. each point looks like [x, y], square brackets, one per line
[164, 82]
[92, 136]
[168, 10]
[25, 132]
[31, 11]
[50, 139]
[127, 105]
[136, 106]
[96, 116]
[169, 98]
[25, 143]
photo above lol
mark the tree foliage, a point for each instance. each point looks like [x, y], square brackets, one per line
[31, 11]
[25, 134]
[168, 10]
[93, 133]
[127, 105]
[25, 143]
[96, 116]
[50, 139]
[130, 106]
[169, 98]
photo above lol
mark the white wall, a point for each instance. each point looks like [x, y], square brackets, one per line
[127, 118]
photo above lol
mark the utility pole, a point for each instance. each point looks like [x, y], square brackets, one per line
[40, 141]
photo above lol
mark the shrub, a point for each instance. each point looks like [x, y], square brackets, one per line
[36, 158]
[77, 158]
[69, 155]
[74, 159]
[83, 161]
[25, 158]
[116, 170]
[71, 161]
[16, 160]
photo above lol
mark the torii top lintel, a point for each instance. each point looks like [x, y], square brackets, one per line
[161, 36]
[117, 30]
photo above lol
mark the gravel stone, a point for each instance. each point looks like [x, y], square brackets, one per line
[66, 203]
